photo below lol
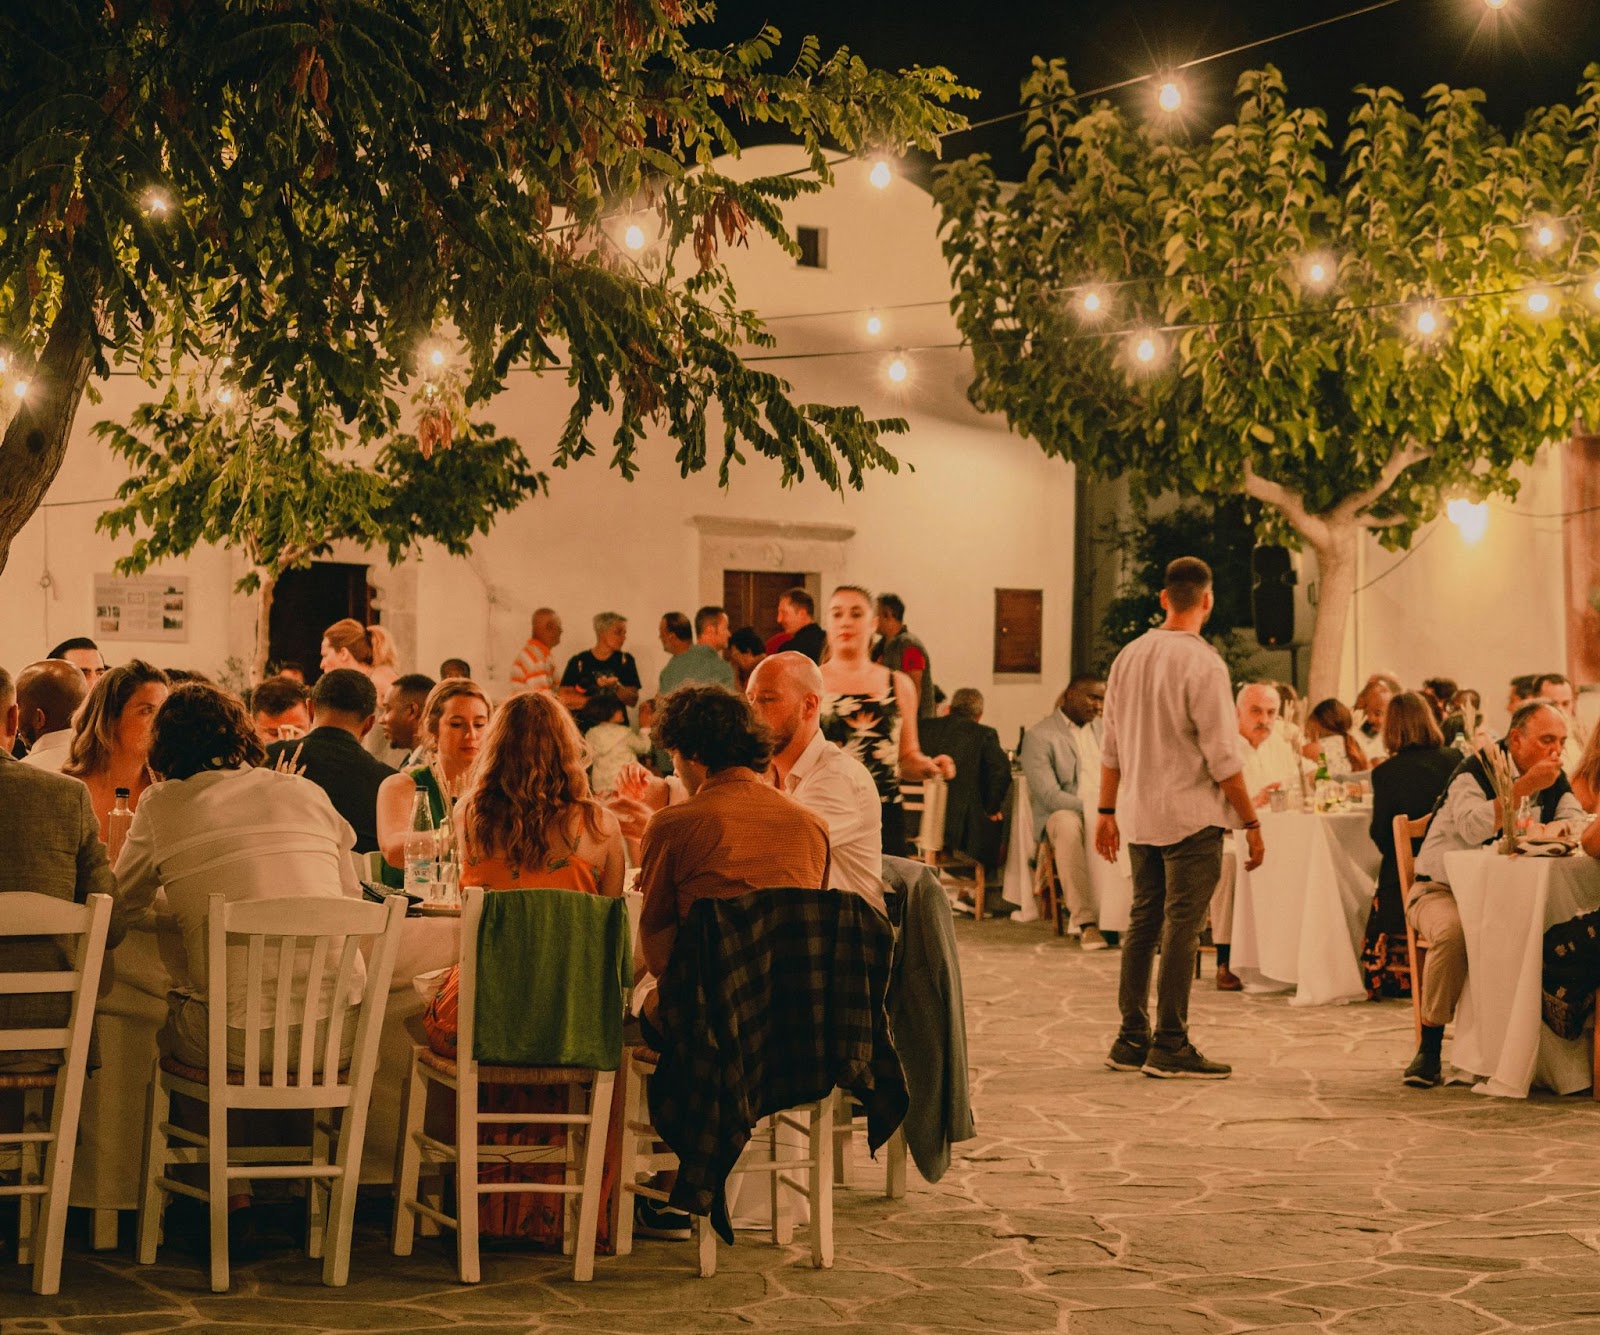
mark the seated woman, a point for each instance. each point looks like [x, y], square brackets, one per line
[1328, 739]
[454, 720]
[213, 822]
[528, 821]
[1408, 783]
[1586, 775]
[111, 736]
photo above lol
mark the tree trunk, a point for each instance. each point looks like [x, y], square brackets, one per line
[35, 440]
[269, 582]
[1336, 587]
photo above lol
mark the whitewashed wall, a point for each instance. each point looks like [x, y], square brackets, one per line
[972, 508]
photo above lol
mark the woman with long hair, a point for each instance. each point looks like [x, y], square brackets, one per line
[111, 736]
[1328, 739]
[367, 649]
[455, 718]
[871, 711]
[528, 821]
[1586, 775]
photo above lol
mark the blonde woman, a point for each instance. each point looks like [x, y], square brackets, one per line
[1586, 773]
[872, 712]
[528, 821]
[455, 718]
[110, 746]
[367, 649]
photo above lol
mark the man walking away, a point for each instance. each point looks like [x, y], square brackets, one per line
[1169, 753]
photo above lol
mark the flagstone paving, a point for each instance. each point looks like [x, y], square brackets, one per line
[1310, 1193]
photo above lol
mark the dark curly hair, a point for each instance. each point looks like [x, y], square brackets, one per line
[713, 726]
[202, 728]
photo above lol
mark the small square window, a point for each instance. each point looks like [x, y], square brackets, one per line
[1018, 631]
[813, 243]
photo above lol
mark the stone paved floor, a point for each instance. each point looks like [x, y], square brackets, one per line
[1312, 1192]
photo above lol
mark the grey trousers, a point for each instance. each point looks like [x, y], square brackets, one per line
[1172, 889]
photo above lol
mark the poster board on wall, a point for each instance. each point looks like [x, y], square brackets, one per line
[141, 607]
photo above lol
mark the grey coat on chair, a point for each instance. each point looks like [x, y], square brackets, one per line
[928, 1014]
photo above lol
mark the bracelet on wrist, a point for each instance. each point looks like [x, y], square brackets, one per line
[1108, 811]
[1251, 825]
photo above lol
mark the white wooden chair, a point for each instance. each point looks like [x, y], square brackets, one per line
[43, 1187]
[1405, 830]
[641, 1160]
[315, 1083]
[844, 1128]
[929, 800]
[582, 1155]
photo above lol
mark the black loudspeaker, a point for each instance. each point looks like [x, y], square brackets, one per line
[1272, 581]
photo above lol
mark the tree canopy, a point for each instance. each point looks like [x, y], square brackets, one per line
[312, 189]
[1350, 346]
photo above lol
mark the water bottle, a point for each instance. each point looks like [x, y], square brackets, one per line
[422, 849]
[117, 825]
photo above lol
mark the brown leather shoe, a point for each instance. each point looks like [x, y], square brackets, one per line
[1228, 980]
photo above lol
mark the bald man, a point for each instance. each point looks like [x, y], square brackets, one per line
[785, 691]
[48, 694]
[535, 668]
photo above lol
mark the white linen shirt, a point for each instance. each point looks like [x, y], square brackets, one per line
[1169, 729]
[50, 750]
[1274, 761]
[248, 834]
[838, 788]
[1466, 819]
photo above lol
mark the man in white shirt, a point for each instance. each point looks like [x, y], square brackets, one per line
[1269, 765]
[1061, 763]
[1469, 817]
[1169, 752]
[48, 694]
[785, 691]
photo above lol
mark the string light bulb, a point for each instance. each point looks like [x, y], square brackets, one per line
[21, 388]
[1546, 234]
[1146, 349]
[436, 357]
[881, 174]
[1092, 302]
[1595, 290]
[874, 324]
[156, 203]
[1471, 517]
[225, 396]
[633, 238]
[1427, 322]
[1318, 272]
[898, 370]
[1538, 302]
[1495, 4]
[1169, 97]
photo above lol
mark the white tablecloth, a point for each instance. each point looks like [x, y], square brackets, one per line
[1506, 904]
[1112, 882]
[1298, 919]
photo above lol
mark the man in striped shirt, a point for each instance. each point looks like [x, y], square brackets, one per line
[535, 668]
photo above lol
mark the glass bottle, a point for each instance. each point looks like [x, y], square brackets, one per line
[117, 824]
[422, 848]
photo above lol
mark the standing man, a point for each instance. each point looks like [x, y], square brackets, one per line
[701, 661]
[799, 631]
[84, 654]
[535, 668]
[1061, 762]
[901, 651]
[1169, 753]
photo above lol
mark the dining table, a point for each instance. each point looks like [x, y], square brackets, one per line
[1507, 903]
[1299, 918]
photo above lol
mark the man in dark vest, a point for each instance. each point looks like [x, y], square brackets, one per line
[1467, 817]
[901, 651]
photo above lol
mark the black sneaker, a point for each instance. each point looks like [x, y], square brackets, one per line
[651, 1219]
[1184, 1064]
[1424, 1071]
[1126, 1055]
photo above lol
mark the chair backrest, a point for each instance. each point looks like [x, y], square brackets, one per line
[287, 985]
[1406, 830]
[26, 913]
[931, 798]
[567, 989]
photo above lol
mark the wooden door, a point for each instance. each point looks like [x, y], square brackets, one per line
[306, 602]
[751, 597]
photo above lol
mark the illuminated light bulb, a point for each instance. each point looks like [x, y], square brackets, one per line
[1093, 303]
[874, 325]
[1146, 348]
[21, 388]
[633, 238]
[225, 363]
[880, 175]
[1495, 4]
[436, 357]
[1427, 323]
[1538, 302]
[1319, 271]
[6, 361]
[1595, 290]
[1471, 517]
[898, 370]
[1169, 97]
[157, 204]
[225, 396]
[1545, 236]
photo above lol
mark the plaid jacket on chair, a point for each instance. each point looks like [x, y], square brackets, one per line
[770, 1000]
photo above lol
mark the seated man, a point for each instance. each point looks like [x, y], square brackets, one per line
[976, 797]
[281, 709]
[1061, 762]
[343, 703]
[1270, 765]
[401, 717]
[52, 842]
[786, 695]
[48, 694]
[1468, 816]
[735, 833]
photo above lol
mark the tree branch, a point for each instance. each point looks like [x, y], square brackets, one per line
[1351, 507]
[1309, 526]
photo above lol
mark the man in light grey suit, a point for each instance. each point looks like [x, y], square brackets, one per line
[49, 843]
[1061, 762]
